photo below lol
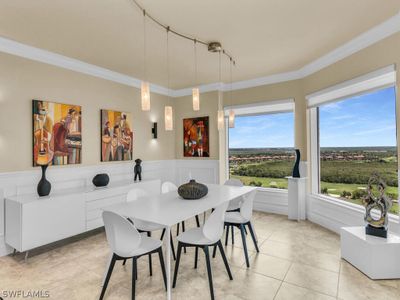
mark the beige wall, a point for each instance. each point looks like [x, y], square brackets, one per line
[22, 80]
[184, 109]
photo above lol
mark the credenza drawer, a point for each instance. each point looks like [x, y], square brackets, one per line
[98, 204]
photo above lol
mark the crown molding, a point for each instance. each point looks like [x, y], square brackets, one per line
[364, 40]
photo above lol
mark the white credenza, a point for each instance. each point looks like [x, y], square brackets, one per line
[32, 221]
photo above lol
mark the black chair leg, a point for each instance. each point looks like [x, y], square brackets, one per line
[244, 245]
[124, 262]
[210, 280]
[177, 229]
[183, 230]
[172, 247]
[160, 255]
[108, 276]
[178, 258]
[134, 276]
[150, 261]
[197, 221]
[221, 249]
[196, 255]
[253, 236]
[162, 234]
[227, 235]
[245, 230]
[214, 251]
[233, 234]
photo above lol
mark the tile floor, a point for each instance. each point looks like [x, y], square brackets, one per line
[296, 261]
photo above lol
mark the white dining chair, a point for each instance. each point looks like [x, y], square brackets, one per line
[241, 219]
[204, 237]
[234, 205]
[126, 242]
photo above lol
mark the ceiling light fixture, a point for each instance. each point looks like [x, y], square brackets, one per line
[145, 87]
[221, 117]
[169, 122]
[195, 90]
[231, 118]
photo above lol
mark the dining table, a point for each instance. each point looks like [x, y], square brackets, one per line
[169, 209]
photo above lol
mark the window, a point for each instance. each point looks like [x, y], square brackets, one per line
[261, 149]
[357, 136]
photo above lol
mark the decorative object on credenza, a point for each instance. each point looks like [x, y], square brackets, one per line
[192, 190]
[57, 132]
[44, 186]
[116, 136]
[138, 169]
[376, 200]
[196, 137]
[154, 130]
[101, 180]
[296, 171]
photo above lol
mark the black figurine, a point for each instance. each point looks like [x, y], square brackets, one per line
[138, 169]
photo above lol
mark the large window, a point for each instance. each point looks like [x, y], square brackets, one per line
[261, 149]
[357, 136]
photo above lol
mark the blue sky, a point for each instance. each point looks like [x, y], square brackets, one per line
[367, 120]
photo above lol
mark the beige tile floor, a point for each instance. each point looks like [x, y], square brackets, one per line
[296, 261]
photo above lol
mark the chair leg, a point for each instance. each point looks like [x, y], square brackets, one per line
[210, 280]
[244, 245]
[227, 235]
[183, 230]
[221, 249]
[134, 276]
[197, 221]
[150, 260]
[173, 248]
[245, 230]
[124, 262]
[160, 255]
[177, 229]
[196, 255]
[253, 236]
[108, 276]
[214, 251]
[162, 234]
[233, 234]
[177, 264]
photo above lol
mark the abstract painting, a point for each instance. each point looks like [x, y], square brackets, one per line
[116, 136]
[57, 133]
[196, 137]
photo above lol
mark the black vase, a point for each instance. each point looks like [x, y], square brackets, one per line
[296, 171]
[44, 186]
[101, 180]
[192, 190]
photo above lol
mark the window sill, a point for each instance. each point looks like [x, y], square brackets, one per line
[272, 190]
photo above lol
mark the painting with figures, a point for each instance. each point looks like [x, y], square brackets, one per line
[196, 137]
[116, 136]
[57, 133]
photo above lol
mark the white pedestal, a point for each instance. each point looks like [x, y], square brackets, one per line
[297, 198]
[376, 257]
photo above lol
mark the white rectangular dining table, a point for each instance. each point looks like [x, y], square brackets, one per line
[170, 209]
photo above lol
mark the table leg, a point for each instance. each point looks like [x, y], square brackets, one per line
[168, 233]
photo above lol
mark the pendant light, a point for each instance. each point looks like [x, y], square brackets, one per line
[195, 90]
[169, 122]
[221, 118]
[231, 118]
[145, 87]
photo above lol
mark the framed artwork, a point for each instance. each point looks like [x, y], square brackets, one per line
[196, 137]
[116, 136]
[57, 133]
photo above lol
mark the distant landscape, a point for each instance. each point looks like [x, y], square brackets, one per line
[345, 171]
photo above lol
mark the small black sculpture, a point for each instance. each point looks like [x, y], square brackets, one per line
[101, 180]
[44, 186]
[296, 171]
[192, 190]
[138, 169]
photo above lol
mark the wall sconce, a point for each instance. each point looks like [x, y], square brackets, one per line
[154, 130]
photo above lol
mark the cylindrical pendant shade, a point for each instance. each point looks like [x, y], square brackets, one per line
[169, 123]
[145, 90]
[221, 120]
[231, 119]
[196, 99]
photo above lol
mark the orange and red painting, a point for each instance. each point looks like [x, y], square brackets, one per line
[116, 136]
[57, 133]
[196, 137]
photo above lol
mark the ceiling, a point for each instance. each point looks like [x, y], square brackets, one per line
[265, 36]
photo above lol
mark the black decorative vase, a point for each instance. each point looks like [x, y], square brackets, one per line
[192, 190]
[101, 180]
[44, 186]
[296, 171]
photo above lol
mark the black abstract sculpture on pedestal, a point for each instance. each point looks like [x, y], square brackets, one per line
[44, 186]
[138, 169]
[376, 225]
[296, 171]
[101, 180]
